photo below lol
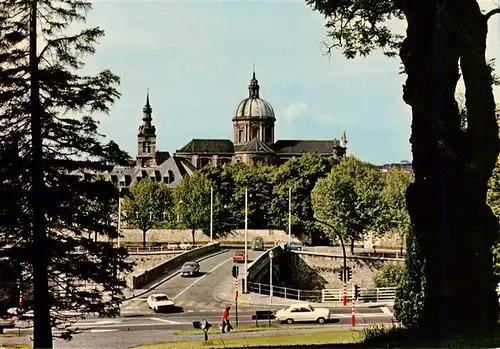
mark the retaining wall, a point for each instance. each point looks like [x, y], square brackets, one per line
[146, 277]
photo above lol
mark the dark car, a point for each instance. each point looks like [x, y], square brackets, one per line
[190, 269]
[293, 246]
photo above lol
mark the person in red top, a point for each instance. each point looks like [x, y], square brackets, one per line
[226, 326]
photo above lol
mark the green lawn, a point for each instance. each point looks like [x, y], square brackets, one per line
[263, 341]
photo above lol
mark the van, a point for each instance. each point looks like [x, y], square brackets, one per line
[258, 244]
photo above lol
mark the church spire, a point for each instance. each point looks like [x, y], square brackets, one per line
[147, 128]
[253, 88]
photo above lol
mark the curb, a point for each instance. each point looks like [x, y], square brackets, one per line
[174, 274]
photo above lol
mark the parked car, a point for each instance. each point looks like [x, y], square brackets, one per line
[302, 313]
[160, 302]
[258, 244]
[190, 269]
[239, 256]
[293, 246]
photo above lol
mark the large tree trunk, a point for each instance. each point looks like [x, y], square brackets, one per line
[144, 232]
[193, 231]
[446, 203]
[42, 332]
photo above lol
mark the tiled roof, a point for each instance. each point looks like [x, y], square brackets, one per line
[305, 146]
[255, 146]
[212, 146]
[162, 156]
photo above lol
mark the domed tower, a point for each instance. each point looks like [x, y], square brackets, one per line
[146, 138]
[254, 117]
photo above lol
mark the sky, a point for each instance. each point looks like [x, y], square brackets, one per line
[196, 59]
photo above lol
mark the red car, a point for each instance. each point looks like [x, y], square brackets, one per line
[239, 256]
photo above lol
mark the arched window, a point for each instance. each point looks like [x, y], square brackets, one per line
[255, 132]
[240, 136]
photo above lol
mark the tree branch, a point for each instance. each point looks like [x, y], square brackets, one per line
[491, 13]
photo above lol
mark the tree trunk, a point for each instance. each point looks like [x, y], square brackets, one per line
[192, 236]
[352, 247]
[144, 232]
[42, 332]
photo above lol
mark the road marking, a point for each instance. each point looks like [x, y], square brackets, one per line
[386, 310]
[165, 321]
[103, 330]
[103, 322]
[202, 311]
[204, 276]
[190, 311]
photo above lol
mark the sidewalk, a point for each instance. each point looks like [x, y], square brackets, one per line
[225, 293]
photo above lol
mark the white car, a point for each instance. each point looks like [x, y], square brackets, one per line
[301, 313]
[160, 302]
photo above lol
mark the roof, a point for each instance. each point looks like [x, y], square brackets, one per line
[212, 146]
[254, 108]
[162, 156]
[305, 146]
[255, 146]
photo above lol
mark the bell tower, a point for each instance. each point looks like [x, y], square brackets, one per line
[146, 138]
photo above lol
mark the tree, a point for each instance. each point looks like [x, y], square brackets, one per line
[395, 215]
[300, 174]
[192, 203]
[348, 199]
[389, 275]
[447, 201]
[47, 116]
[148, 203]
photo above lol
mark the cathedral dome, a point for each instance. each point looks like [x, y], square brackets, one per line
[254, 106]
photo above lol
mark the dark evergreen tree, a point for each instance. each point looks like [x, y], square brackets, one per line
[454, 227]
[46, 118]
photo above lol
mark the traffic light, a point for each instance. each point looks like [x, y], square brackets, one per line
[235, 271]
[349, 274]
[356, 291]
[341, 275]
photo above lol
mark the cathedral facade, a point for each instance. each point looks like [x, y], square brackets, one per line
[253, 141]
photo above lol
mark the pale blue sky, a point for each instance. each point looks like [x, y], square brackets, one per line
[196, 58]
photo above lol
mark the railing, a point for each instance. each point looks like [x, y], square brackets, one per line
[358, 252]
[365, 294]
[285, 292]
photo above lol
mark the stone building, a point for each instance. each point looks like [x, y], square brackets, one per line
[253, 141]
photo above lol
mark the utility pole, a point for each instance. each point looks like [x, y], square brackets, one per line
[211, 214]
[245, 287]
[271, 277]
[119, 215]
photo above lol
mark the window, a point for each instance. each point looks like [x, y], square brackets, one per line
[170, 176]
[240, 136]
[149, 147]
[255, 132]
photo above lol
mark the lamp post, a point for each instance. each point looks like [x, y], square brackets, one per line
[178, 215]
[245, 289]
[211, 214]
[271, 277]
[289, 216]
[119, 214]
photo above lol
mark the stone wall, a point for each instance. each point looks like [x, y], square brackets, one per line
[147, 261]
[326, 270]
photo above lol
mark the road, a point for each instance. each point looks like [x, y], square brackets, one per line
[192, 294]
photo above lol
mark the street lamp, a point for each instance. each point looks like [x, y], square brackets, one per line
[178, 215]
[211, 214]
[246, 242]
[289, 216]
[119, 214]
[271, 255]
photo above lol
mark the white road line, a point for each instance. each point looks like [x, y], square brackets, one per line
[98, 323]
[103, 330]
[165, 321]
[204, 276]
[386, 310]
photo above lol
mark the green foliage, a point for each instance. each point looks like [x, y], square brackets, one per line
[301, 174]
[348, 199]
[395, 215]
[409, 302]
[389, 275]
[148, 204]
[70, 207]
[359, 27]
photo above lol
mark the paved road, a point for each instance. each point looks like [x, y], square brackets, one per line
[193, 293]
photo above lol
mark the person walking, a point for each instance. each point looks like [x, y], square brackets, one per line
[226, 326]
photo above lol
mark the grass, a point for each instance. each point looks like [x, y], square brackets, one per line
[217, 330]
[340, 337]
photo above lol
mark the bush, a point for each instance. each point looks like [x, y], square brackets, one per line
[389, 275]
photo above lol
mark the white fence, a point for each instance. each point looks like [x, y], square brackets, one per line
[379, 294]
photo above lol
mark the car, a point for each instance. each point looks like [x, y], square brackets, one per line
[302, 313]
[258, 243]
[160, 302]
[190, 269]
[239, 256]
[293, 246]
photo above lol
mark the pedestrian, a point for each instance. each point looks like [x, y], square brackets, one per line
[226, 326]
